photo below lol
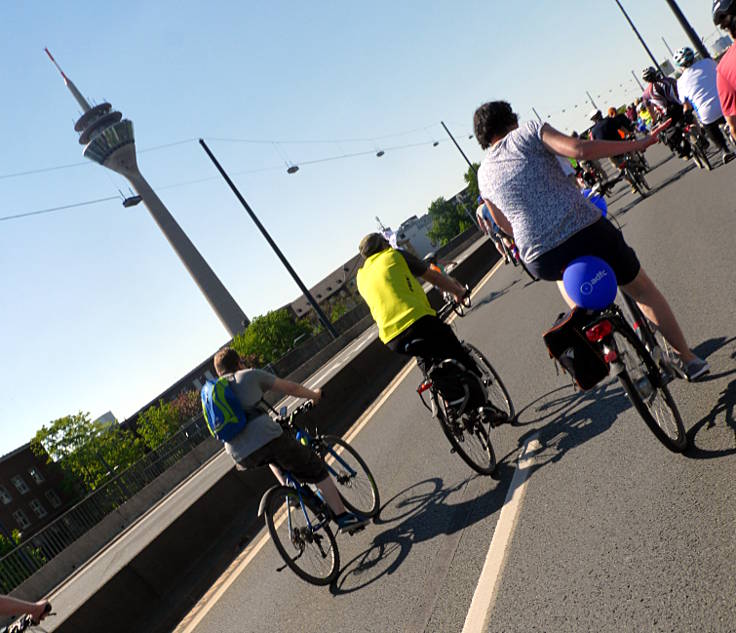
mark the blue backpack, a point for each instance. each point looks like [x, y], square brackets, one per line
[222, 411]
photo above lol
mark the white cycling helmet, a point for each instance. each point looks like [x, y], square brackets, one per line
[684, 57]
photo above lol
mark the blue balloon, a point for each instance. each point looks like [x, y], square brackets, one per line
[590, 282]
[598, 201]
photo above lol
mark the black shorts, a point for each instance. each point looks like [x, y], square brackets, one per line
[601, 239]
[288, 454]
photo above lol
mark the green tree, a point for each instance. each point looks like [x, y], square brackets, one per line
[472, 192]
[188, 405]
[448, 220]
[339, 308]
[157, 422]
[270, 336]
[86, 451]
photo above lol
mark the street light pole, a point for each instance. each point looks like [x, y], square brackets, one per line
[643, 43]
[322, 316]
[459, 149]
[591, 100]
[637, 80]
[537, 114]
[697, 42]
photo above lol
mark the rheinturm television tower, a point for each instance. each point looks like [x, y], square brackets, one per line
[109, 141]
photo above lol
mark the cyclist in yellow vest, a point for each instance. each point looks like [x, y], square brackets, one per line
[389, 283]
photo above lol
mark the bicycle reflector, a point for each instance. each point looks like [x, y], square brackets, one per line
[599, 331]
[427, 384]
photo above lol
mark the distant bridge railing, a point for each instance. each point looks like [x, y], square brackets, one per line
[38, 549]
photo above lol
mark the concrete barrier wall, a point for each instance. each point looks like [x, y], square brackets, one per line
[156, 589]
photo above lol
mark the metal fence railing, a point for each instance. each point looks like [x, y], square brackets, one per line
[38, 549]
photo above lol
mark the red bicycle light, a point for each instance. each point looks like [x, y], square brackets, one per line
[599, 331]
[610, 356]
[424, 386]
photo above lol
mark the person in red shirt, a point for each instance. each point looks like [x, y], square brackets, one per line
[724, 17]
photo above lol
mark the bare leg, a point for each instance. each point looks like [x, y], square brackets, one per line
[332, 496]
[278, 474]
[561, 287]
[658, 311]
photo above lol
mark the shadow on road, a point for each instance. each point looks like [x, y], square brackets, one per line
[725, 404]
[494, 294]
[414, 515]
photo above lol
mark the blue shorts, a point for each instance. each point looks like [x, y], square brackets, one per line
[601, 239]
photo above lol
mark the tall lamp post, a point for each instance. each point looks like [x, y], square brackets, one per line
[109, 141]
[689, 30]
[641, 39]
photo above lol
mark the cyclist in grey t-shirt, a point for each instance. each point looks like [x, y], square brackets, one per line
[528, 196]
[263, 442]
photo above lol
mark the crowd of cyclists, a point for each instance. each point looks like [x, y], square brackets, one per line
[527, 199]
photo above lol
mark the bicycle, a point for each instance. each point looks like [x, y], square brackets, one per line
[510, 250]
[632, 170]
[303, 537]
[698, 145]
[451, 391]
[638, 356]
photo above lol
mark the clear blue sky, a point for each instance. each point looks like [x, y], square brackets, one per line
[98, 313]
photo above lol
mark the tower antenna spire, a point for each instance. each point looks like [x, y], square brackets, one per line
[70, 84]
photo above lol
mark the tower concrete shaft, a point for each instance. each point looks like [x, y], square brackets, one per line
[109, 141]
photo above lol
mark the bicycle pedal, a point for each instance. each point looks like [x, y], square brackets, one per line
[356, 530]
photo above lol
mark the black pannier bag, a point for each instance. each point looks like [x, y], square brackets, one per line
[453, 382]
[568, 345]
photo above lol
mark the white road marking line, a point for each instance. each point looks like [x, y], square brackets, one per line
[230, 575]
[488, 583]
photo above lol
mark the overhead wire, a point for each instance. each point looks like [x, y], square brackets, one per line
[201, 180]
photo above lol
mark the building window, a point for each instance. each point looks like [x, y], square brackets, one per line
[53, 498]
[21, 519]
[20, 484]
[38, 508]
[36, 475]
[5, 495]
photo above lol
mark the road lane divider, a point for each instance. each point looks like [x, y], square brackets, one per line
[487, 589]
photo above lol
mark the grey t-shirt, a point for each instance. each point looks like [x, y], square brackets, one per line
[249, 386]
[524, 180]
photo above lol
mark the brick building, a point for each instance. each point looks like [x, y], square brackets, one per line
[30, 492]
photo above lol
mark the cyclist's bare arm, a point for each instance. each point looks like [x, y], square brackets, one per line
[731, 120]
[296, 390]
[448, 284]
[564, 145]
[13, 606]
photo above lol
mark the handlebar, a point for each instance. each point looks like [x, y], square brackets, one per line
[451, 305]
[286, 420]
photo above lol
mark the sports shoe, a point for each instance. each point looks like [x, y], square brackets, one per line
[727, 157]
[696, 368]
[348, 522]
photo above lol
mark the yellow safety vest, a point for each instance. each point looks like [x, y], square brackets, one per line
[396, 299]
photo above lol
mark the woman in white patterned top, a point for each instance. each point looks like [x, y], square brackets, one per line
[552, 223]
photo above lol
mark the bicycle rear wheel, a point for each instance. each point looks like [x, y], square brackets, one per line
[302, 536]
[354, 480]
[497, 394]
[467, 436]
[642, 381]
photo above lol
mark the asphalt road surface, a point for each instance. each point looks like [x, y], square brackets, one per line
[612, 532]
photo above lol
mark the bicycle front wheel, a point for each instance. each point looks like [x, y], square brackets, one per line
[642, 382]
[497, 394]
[302, 535]
[467, 436]
[354, 480]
